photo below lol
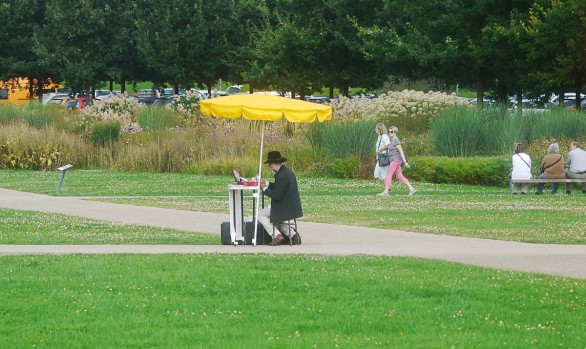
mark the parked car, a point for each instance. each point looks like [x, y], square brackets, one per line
[233, 89]
[103, 94]
[485, 102]
[54, 98]
[569, 100]
[318, 99]
[147, 96]
[76, 103]
[529, 105]
[58, 100]
[162, 101]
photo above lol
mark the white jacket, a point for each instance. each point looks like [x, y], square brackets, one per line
[521, 169]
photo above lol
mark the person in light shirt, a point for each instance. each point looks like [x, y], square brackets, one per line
[521, 168]
[382, 140]
[576, 166]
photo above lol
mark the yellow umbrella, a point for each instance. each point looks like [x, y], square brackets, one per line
[264, 107]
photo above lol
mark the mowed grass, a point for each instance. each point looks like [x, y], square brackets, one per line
[269, 301]
[472, 211]
[38, 228]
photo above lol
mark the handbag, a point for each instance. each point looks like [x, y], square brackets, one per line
[384, 159]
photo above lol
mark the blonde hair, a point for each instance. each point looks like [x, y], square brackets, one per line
[382, 129]
[394, 129]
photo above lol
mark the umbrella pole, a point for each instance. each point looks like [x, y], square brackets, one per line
[257, 198]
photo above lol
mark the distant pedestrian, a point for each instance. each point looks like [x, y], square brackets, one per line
[397, 159]
[382, 140]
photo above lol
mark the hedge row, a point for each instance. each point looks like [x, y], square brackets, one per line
[492, 171]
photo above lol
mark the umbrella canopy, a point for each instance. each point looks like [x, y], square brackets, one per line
[265, 107]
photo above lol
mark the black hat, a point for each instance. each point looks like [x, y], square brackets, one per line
[275, 157]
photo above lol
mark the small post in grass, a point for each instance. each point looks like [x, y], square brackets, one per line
[62, 169]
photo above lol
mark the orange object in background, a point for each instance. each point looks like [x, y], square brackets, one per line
[18, 90]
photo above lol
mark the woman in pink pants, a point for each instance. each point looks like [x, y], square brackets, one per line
[397, 158]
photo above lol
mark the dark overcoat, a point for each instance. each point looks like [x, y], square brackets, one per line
[284, 194]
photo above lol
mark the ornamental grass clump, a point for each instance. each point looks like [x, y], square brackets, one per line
[157, 118]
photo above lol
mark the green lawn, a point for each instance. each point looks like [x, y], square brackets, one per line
[484, 212]
[293, 301]
[38, 228]
[266, 301]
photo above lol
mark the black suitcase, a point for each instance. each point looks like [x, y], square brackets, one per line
[262, 237]
[225, 234]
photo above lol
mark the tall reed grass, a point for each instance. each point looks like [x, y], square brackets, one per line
[462, 132]
[459, 133]
[343, 140]
[157, 118]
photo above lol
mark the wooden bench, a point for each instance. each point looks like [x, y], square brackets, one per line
[544, 181]
[559, 180]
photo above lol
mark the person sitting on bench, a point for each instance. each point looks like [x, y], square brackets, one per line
[576, 166]
[285, 200]
[552, 167]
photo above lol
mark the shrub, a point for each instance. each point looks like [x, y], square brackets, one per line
[105, 132]
[121, 108]
[408, 110]
[187, 107]
[470, 170]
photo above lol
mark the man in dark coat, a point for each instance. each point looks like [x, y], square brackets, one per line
[285, 200]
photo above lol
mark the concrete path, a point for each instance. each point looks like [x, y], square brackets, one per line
[562, 260]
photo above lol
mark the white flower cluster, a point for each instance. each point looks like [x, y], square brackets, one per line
[122, 108]
[395, 104]
[186, 105]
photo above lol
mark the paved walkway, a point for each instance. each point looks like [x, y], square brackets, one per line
[563, 260]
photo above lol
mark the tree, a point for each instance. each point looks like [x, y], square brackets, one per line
[21, 21]
[557, 45]
[75, 39]
[188, 41]
[122, 61]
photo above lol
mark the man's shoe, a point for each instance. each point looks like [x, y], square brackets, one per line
[277, 240]
[296, 239]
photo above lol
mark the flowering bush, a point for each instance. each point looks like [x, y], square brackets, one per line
[187, 107]
[393, 105]
[121, 108]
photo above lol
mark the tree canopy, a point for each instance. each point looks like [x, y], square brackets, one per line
[503, 47]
